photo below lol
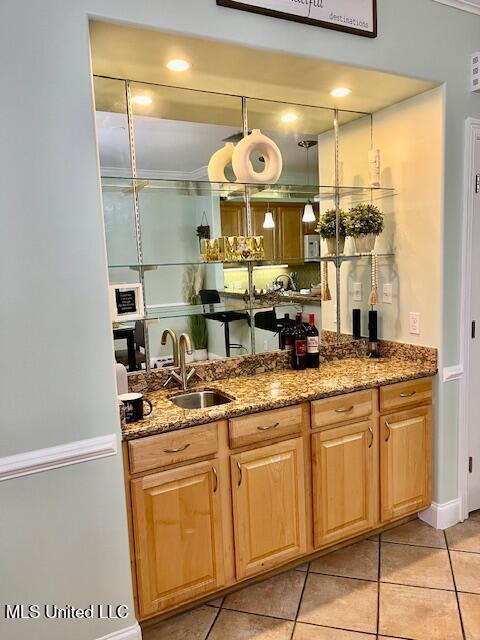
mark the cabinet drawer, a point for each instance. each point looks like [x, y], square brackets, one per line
[350, 406]
[405, 394]
[174, 447]
[266, 425]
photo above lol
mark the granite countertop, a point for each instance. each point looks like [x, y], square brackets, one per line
[265, 391]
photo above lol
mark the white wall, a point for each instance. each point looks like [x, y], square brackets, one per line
[410, 138]
[60, 387]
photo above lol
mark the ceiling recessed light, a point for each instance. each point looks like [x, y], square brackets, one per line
[178, 65]
[340, 92]
[289, 117]
[142, 100]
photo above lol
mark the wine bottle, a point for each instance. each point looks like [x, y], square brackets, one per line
[313, 347]
[299, 339]
[286, 342]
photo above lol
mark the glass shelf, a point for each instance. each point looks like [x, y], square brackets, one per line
[278, 262]
[238, 191]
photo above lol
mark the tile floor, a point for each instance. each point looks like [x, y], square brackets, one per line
[411, 582]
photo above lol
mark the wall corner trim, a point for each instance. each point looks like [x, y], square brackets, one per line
[130, 633]
[453, 373]
[25, 464]
[473, 6]
[442, 516]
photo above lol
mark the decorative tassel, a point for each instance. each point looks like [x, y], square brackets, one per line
[326, 295]
[373, 298]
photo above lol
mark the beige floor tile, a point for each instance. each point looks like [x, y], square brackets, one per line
[310, 632]
[302, 567]
[416, 532]
[423, 614]
[466, 569]
[278, 596]
[216, 603]
[416, 566]
[470, 608]
[359, 560]
[475, 515]
[192, 625]
[233, 625]
[340, 602]
[465, 536]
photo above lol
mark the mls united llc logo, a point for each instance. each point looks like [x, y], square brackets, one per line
[68, 612]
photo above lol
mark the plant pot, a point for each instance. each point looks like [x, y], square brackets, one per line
[365, 243]
[332, 246]
[199, 355]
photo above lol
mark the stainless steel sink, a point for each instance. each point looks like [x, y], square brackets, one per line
[200, 399]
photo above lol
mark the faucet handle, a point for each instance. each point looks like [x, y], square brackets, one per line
[191, 373]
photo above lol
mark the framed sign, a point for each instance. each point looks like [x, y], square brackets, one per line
[126, 302]
[353, 16]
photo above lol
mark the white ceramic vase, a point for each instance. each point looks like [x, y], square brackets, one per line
[332, 246]
[219, 161]
[365, 243]
[263, 146]
[199, 355]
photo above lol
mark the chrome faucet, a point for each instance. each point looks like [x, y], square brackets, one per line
[173, 336]
[184, 347]
[291, 282]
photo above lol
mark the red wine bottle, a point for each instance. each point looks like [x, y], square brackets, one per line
[299, 338]
[313, 346]
[286, 341]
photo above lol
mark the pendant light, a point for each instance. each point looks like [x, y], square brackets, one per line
[268, 221]
[308, 212]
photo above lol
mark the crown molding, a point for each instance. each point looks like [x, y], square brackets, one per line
[473, 6]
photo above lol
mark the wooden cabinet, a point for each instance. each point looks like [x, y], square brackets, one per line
[232, 219]
[269, 235]
[290, 233]
[178, 536]
[345, 481]
[269, 506]
[406, 460]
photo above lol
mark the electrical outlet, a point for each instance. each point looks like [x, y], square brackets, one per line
[414, 323]
[357, 291]
[388, 293]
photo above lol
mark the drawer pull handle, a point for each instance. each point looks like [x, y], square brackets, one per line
[240, 473]
[389, 431]
[177, 450]
[370, 430]
[215, 477]
[344, 409]
[408, 395]
[270, 427]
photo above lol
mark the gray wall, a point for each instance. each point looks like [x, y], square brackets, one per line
[63, 533]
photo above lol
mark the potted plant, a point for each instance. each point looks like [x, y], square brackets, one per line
[364, 223]
[198, 333]
[327, 228]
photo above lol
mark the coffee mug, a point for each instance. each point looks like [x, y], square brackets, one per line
[134, 406]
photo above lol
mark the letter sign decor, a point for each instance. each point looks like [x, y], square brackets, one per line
[353, 16]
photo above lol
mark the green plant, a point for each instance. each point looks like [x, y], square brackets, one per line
[198, 327]
[364, 219]
[327, 225]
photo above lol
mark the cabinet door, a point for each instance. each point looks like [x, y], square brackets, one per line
[290, 233]
[269, 507]
[269, 235]
[345, 481]
[178, 535]
[232, 219]
[406, 460]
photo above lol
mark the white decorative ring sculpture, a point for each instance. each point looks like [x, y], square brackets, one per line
[259, 144]
[220, 159]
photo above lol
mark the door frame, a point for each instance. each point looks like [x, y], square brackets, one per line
[472, 130]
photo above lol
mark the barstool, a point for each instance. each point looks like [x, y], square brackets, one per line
[211, 297]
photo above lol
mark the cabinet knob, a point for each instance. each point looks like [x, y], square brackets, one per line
[269, 427]
[344, 409]
[177, 450]
[408, 395]
[240, 473]
[389, 431]
[370, 431]
[215, 477]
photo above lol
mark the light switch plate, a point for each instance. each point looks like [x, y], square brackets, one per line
[357, 291]
[414, 323]
[388, 293]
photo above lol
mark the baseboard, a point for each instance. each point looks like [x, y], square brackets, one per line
[442, 516]
[25, 464]
[130, 633]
